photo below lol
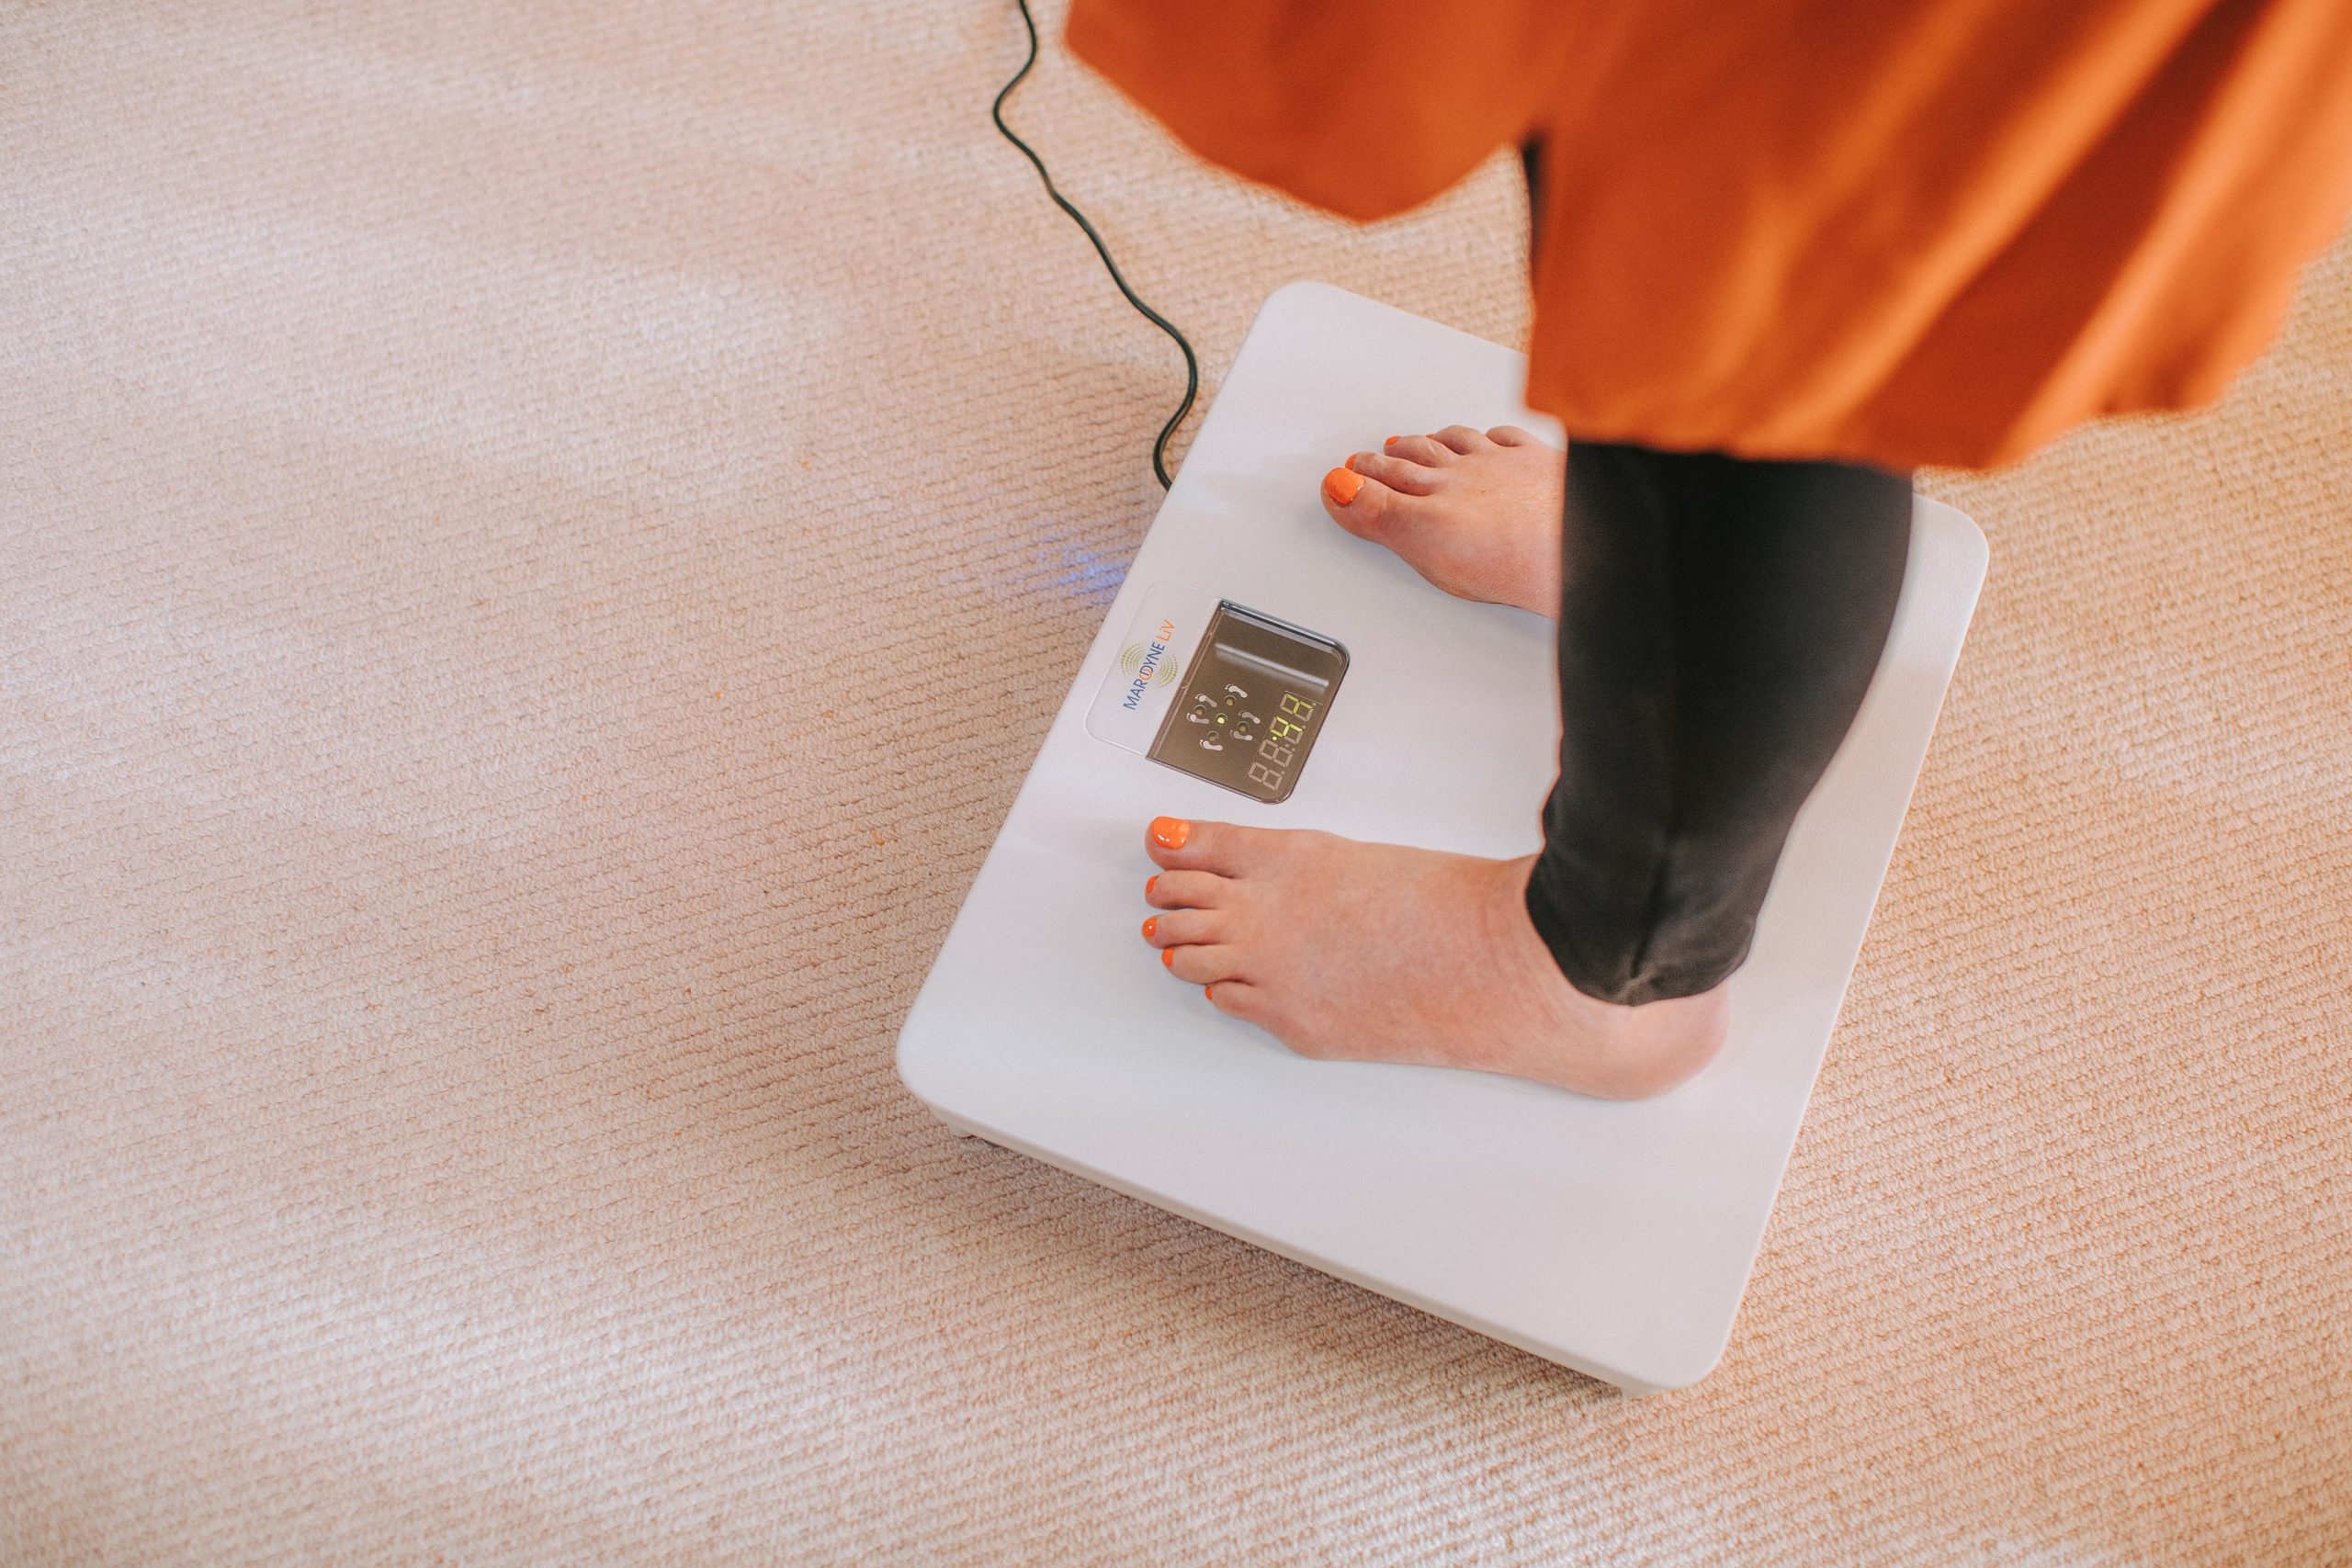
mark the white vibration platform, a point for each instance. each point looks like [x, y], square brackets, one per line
[1613, 1238]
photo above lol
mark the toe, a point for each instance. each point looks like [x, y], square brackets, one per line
[1371, 510]
[1426, 450]
[1185, 928]
[1202, 966]
[1396, 473]
[1176, 845]
[1186, 890]
[1463, 439]
[1341, 488]
[1239, 999]
[1512, 436]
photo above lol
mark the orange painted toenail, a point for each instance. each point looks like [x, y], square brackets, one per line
[1149, 883]
[1167, 958]
[1341, 484]
[1169, 832]
[1150, 928]
[1209, 992]
[1393, 439]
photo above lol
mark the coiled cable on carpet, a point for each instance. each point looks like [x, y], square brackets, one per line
[1191, 365]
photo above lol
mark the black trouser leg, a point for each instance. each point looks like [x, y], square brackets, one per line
[1720, 619]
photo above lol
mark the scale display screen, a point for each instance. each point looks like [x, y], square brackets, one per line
[1253, 700]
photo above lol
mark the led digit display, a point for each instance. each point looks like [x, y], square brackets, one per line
[1252, 703]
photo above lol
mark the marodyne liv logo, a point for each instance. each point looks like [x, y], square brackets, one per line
[1150, 664]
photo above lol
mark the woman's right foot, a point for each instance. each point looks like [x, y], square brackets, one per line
[1478, 515]
[1375, 952]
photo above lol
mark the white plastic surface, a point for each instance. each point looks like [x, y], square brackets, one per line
[1613, 1238]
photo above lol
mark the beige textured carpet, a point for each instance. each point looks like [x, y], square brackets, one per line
[514, 522]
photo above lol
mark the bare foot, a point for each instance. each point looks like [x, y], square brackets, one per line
[1478, 514]
[1373, 952]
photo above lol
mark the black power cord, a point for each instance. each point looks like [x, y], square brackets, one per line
[1191, 365]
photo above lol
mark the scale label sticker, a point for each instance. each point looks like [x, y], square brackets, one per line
[1148, 665]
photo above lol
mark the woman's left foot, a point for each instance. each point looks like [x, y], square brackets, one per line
[1476, 512]
[1377, 953]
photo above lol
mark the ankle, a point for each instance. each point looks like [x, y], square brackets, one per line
[1674, 1039]
[1644, 1049]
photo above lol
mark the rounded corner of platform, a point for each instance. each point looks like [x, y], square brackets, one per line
[911, 1058]
[1958, 531]
[1300, 297]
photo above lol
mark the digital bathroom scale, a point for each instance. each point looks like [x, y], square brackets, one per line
[1262, 666]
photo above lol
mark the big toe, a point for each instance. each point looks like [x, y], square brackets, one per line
[1227, 849]
[1364, 506]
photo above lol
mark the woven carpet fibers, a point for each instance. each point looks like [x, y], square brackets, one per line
[522, 531]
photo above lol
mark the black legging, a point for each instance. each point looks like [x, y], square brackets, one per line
[1720, 619]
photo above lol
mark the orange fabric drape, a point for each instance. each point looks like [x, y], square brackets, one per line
[1935, 231]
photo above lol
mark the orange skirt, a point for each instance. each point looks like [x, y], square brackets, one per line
[1939, 231]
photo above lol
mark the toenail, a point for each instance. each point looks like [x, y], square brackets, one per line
[1150, 928]
[1209, 992]
[1149, 883]
[1167, 958]
[1341, 484]
[1169, 832]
